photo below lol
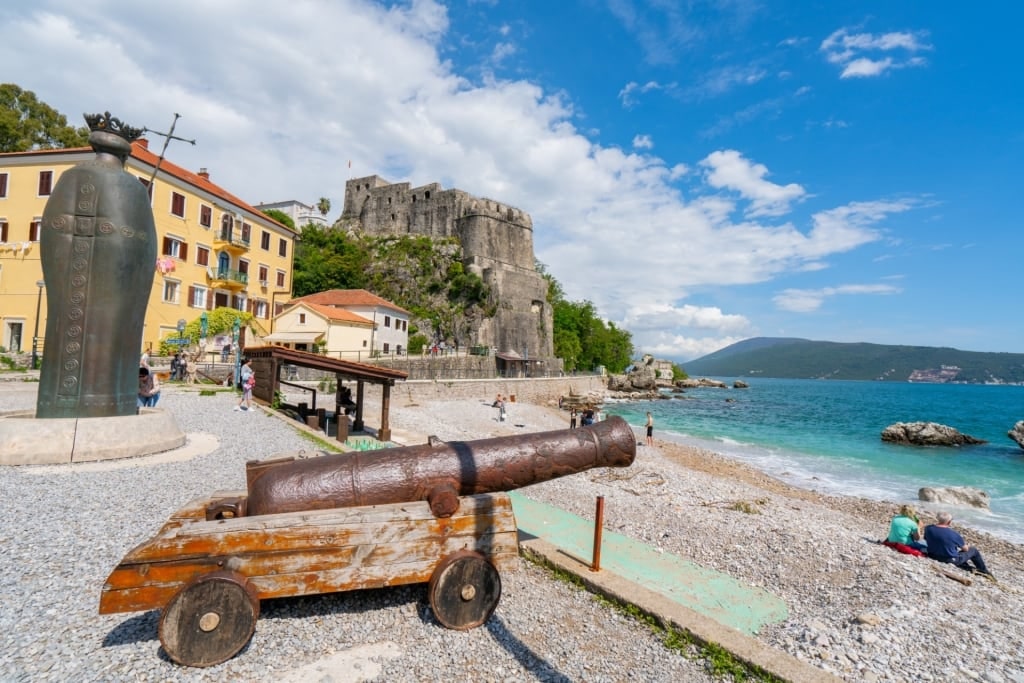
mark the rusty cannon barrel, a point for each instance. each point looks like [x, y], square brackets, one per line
[438, 472]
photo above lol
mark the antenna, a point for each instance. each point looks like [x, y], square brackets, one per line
[168, 136]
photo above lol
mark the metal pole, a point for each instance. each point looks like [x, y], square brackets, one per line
[238, 352]
[595, 566]
[35, 335]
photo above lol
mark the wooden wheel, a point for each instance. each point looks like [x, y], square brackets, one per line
[464, 590]
[209, 620]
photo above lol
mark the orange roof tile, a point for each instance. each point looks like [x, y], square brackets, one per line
[348, 297]
[332, 313]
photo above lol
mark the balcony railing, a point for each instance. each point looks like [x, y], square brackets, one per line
[232, 238]
[228, 275]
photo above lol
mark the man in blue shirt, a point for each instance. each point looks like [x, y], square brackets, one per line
[946, 545]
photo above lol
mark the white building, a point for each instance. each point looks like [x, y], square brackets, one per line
[301, 214]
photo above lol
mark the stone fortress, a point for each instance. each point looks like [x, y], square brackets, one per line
[497, 244]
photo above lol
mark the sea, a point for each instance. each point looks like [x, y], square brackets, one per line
[825, 435]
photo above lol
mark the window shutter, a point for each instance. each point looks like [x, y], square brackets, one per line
[167, 246]
[209, 299]
[191, 294]
[183, 255]
[248, 306]
[3, 231]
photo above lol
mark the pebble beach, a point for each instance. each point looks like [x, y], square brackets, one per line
[856, 609]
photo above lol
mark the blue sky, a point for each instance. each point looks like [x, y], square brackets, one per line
[703, 172]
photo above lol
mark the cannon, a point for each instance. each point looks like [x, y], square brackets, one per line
[436, 513]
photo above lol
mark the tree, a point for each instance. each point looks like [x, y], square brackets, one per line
[281, 217]
[27, 123]
[324, 206]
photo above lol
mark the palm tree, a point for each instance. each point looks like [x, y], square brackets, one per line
[324, 206]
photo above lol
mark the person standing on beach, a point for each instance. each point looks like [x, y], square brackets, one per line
[247, 378]
[946, 545]
[650, 429]
[572, 419]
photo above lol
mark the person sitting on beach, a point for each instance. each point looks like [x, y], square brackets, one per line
[907, 530]
[946, 545]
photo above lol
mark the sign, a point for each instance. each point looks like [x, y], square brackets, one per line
[177, 342]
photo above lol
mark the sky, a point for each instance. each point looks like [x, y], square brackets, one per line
[702, 172]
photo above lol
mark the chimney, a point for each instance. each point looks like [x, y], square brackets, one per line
[204, 174]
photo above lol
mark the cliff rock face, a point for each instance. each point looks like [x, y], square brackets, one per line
[497, 244]
[926, 434]
[1017, 433]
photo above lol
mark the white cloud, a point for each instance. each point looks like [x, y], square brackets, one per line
[643, 142]
[808, 300]
[728, 169]
[629, 91]
[848, 50]
[279, 98]
[502, 51]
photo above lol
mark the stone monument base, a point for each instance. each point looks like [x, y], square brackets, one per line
[25, 440]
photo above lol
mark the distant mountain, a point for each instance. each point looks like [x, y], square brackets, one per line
[805, 359]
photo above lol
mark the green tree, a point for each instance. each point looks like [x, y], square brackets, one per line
[328, 259]
[281, 217]
[324, 206]
[218, 321]
[27, 123]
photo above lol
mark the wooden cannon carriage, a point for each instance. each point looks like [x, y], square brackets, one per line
[433, 514]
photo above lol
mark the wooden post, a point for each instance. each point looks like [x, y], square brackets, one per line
[357, 426]
[385, 405]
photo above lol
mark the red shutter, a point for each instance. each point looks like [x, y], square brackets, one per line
[248, 306]
[167, 246]
[209, 299]
[191, 294]
[3, 231]
[184, 252]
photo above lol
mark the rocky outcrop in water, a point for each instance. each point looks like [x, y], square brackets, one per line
[1017, 433]
[927, 434]
[955, 495]
[693, 383]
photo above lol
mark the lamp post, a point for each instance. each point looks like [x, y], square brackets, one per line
[35, 335]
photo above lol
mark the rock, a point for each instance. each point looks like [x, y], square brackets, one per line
[693, 383]
[955, 495]
[869, 619]
[740, 384]
[1017, 433]
[926, 434]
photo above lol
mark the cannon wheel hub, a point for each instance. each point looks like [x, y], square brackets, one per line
[464, 590]
[209, 620]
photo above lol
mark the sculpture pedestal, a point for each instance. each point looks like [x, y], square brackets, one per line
[26, 440]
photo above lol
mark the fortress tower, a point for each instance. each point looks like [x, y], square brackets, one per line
[497, 243]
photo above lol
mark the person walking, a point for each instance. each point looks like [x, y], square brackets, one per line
[650, 429]
[247, 378]
[572, 419]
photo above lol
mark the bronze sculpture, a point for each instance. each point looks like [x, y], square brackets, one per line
[98, 248]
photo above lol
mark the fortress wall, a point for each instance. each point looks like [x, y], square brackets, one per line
[491, 237]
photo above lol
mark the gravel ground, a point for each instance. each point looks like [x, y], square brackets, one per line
[856, 609]
[66, 527]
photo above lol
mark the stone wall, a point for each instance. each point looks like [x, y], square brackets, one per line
[537, 390]
[497, 245]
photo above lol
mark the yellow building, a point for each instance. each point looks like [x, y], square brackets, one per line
[214, 249]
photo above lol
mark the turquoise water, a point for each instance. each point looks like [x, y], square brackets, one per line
[825, 435]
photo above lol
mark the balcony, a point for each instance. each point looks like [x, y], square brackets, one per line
[226, 278]
[231, 241]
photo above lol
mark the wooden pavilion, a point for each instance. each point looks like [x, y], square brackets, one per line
[268, 362]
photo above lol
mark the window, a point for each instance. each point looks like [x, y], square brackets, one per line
[246, 232]
[243, 267]
[178, 204]
[265, 241]
[239, 302]
[175, 247]
[260, 309]
[3, 231]
[171, 291]
[282, 247]
[387, 321]
[3, 184]
[33, 230]
[264, 275]
[302, 318]
[280, 278]
[387, 347]
[197, 297]
[45, 183]
[226, 223]
[205, 216]
[202, 256]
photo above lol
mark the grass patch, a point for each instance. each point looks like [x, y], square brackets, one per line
[207, 392]
[719, 662]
